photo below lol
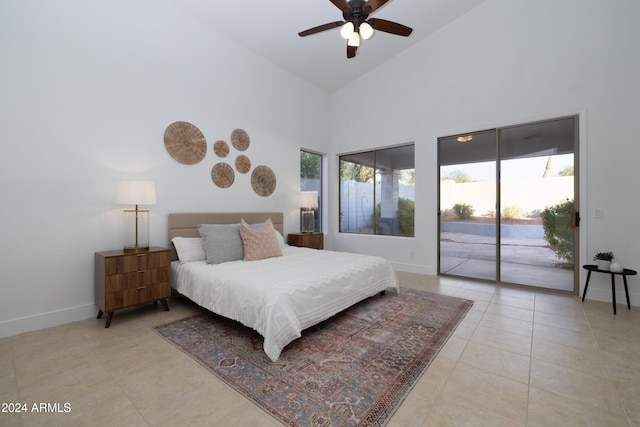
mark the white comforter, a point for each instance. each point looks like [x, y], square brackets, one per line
[279, 297]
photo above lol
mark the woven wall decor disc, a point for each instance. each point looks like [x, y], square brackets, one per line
[222, 175]
[263, 181]
[240, 139]
[243, 164]
[221, 148]
[185, 143]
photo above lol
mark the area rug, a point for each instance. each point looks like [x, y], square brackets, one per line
[354, 369]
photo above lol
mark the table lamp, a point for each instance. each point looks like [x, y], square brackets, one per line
[136, 238]
[308, 202]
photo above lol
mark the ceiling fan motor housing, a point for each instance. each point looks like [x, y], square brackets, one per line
[356, 14]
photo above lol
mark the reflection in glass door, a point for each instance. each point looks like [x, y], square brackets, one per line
[468, 205]
[537, 186]
[518, 228]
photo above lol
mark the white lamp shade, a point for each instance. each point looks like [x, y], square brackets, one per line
[365, 30]
[136, 193]
[308, 199]
[347, 30]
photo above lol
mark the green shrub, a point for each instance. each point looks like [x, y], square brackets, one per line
[463, 210]
[556, 221]
[406, 215]
[512, 212]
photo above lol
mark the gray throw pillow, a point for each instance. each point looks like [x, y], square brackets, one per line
[222, 242]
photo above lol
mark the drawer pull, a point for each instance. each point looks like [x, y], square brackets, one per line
[140, 287]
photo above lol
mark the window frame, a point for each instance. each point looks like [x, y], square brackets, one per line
[318, 212]
[376, 168]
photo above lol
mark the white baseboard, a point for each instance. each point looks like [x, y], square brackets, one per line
[9, 328]
[413, 268]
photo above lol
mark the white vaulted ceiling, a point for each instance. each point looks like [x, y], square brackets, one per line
[270, 29]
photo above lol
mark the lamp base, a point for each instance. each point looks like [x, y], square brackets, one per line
[308, 219]
[136, 237]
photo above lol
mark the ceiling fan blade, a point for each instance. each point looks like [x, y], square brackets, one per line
[390, 27]
[341, 4]
[351, 51]
[373, 5]
[321, 28]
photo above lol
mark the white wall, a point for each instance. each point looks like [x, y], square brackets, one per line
[87, 89]
[509, 62]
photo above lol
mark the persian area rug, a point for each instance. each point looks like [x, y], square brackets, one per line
[354, 369]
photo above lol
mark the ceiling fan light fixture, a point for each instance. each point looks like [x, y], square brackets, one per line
[354, 40]
[365, 30]
[347, 30]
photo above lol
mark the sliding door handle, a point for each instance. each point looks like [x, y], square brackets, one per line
[575, 218]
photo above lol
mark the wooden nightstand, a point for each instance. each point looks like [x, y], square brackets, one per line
[127, 279]
[307, 240]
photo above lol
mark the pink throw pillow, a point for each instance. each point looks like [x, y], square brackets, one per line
[259, 243]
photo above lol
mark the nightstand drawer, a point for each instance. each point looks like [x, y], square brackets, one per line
[135, 262]
[118, 282]
[141, 294]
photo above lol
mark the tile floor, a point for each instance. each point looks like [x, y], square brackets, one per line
[519, 358]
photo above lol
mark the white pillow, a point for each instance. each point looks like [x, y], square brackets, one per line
[189, 249]
[280, 239]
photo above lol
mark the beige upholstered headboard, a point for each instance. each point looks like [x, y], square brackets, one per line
[186, 224]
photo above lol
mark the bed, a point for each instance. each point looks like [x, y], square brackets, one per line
[278, 296]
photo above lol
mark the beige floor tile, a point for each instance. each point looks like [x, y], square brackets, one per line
[588, 389]
[513, 301]
[548, 409]
[515, 292]
[449, 412]
[497, 361]
[453, 348]
[628, 388]
[509, 341]
[560, 321]
[507, 324]
[495, 393]
[583, 340]
[474, 295]
[509, 311]
[569, 309]
[247, 415]
[589, 362]
[465, 330]
[31, 368]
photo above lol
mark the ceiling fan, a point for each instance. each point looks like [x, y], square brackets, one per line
[356, 24]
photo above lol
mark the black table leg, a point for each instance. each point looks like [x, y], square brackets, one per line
[586, 285]
[626, 290]
[613, 292]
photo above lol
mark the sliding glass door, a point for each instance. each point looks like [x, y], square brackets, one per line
[507, 204]
[468, 222]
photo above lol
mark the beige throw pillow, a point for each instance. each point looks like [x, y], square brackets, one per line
[259, 243]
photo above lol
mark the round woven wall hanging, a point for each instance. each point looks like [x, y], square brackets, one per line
[185, 143]
[263, 181]
[240, 139]
[221, 148]
[243, 164]
[222, 175]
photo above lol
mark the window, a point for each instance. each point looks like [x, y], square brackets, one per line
[311, 180]
[377, 192]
